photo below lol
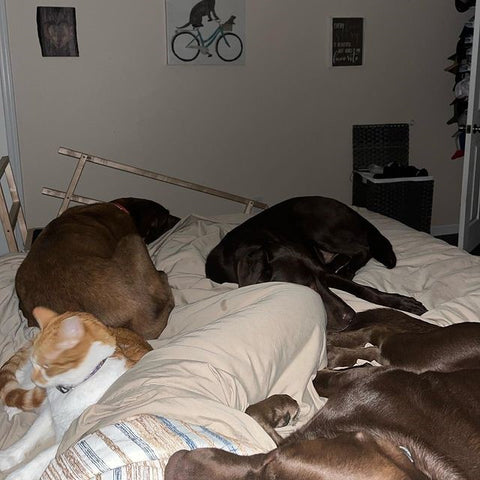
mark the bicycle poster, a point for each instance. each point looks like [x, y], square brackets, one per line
[205, 32]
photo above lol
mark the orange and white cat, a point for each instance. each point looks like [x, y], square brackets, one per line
[73, 361]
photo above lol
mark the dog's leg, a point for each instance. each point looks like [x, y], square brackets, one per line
[350, 338]
[328, 382]
[339, 314]
[393, 300]
[273, 412]
[347, 357]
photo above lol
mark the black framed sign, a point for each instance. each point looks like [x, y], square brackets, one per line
[347, 41]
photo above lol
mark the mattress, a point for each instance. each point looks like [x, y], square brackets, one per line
[225, 348]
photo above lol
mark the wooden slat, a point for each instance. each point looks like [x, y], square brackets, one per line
[51, 192]
[162, 178]
[73, 183]
[4, 161]
[13, 214]
[20, 217]
[7, 226]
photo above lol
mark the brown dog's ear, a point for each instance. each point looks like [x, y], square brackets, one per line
[150, 218]
[213, 464]
[253, 266]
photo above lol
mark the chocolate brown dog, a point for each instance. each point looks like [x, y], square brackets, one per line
[405, 342]
[380, 423]
[93, 258]
[314, 241]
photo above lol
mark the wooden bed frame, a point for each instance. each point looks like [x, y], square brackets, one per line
[10, 217]
[69, 195]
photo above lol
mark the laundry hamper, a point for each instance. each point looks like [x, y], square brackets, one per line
[407, 199]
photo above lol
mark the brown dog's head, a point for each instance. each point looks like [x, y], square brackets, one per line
[355, 456]
[150, 218]
[213, 464]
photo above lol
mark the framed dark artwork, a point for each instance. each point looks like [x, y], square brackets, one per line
[57, 31]
[347, 41]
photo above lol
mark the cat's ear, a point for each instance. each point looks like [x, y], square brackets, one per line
[43, 316]
[71, 332]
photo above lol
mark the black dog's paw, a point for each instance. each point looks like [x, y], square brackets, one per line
[411, 305]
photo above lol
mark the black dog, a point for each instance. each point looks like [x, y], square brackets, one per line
[314, 241]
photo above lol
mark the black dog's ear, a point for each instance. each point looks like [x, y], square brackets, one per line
[253, 266]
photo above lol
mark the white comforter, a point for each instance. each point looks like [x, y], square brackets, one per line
[225, 348]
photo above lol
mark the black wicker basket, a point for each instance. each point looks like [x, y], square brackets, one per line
[380, 144]
[407, 200]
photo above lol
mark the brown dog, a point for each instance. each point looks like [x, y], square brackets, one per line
[405, 342]
[93, 258]
[380, 423]
[314, 241]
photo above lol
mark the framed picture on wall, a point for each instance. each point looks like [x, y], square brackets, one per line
[57, 31]
[347, 41]
[205, 32]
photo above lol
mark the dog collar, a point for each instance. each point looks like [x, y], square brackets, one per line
[67, 388]
[120, 207]
[406, 452]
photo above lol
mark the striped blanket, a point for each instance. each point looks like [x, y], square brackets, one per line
[136, 449]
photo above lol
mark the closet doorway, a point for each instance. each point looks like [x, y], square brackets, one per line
[469, 225]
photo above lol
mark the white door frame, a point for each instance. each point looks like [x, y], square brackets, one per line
[6, 83]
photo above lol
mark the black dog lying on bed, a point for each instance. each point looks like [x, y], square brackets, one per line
[380, 423]
[93, 258]
[314, 241]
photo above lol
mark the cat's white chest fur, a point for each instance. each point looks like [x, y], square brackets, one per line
[86, 384]
[66, 407]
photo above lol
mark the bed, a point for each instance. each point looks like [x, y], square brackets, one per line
[225, 348]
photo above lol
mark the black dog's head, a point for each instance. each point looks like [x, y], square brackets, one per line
[276, 262]
[150, 218]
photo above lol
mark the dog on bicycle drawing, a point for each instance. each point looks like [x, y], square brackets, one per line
[204, 8]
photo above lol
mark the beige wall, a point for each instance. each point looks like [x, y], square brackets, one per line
[277, 127]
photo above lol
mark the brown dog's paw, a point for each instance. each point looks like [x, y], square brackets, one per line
[286, 411]
[276, 411]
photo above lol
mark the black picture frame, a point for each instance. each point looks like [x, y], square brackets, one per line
[57, 31]
[347, 41]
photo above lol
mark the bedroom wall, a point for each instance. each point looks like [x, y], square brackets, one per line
[277, 127]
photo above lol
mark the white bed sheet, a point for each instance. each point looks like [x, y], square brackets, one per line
[226, 347]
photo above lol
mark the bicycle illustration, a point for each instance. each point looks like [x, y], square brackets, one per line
[188, 44]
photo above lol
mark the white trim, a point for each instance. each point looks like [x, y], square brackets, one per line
[367, 176]
[437, 230]
[6, 80]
